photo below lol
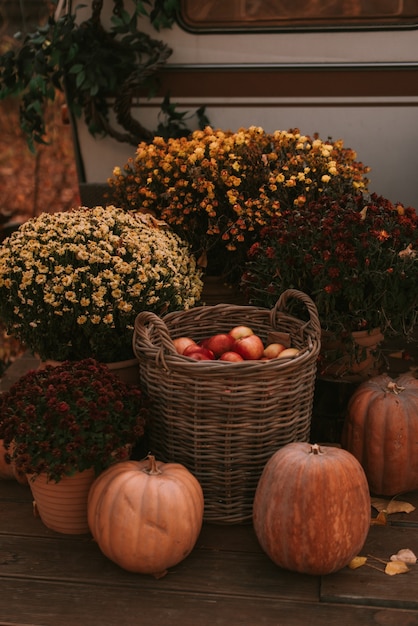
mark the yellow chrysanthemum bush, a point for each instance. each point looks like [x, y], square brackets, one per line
[72, 283]
[218, 189]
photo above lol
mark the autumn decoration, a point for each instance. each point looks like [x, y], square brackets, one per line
[217, 189]
[311, 509]
[357, 258]
[398, 563]
[146, 515]
[381, 431]
[72, 282]
[66, 419]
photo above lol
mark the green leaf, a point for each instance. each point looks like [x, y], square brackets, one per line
[76, 69]
[81, 76]
[39, 40]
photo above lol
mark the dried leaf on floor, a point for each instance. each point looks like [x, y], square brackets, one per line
[405, 555]
[392, 506]
[380, 520]
[396, 567]
[358, 561]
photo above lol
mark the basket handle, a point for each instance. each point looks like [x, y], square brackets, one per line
[280, 306]
[147, 318]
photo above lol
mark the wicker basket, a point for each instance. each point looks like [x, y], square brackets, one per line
[224, 420]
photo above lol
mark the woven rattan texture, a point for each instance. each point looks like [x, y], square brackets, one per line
[224, 420]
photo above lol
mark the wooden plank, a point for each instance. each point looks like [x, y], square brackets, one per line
[38, 604]
[371, 587]
[16, 512]
[204, 571]
[12, 490]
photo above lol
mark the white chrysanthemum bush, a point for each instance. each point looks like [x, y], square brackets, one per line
[72, 283]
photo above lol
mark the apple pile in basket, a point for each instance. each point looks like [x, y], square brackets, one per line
[239, 344]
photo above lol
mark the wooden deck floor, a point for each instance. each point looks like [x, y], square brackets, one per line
[48, 579]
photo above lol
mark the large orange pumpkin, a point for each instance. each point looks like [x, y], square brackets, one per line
[312, 508]
[381, 431]
[146, 516]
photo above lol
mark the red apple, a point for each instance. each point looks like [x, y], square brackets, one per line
[198, 353]
[240, 331]
[273, 350]
[251, 347]
[191, 348]
[181, 343]
[220, 343]
[231, 356]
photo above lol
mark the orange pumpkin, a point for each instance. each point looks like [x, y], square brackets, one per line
[146, 516]
[312, 508]
[381, 431]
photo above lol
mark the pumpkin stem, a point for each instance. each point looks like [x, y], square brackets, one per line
[152, 470]
[394, 388]
[315, 449]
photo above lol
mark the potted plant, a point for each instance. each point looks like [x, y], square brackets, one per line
[64, 425]
[219, 189]
[72, 283]
[68, 418]
[356, 256]
[102, 58]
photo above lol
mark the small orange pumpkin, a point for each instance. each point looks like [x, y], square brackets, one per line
[146, 516]
[312, 508]
[381, 431]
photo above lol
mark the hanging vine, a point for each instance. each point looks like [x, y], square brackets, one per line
[100, 68]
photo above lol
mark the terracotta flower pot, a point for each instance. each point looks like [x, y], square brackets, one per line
[127, 371]
[62, 506]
